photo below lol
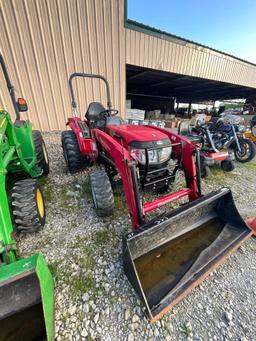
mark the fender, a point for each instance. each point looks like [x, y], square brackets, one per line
[87, 143]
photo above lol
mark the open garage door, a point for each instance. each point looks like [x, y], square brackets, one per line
[150, 89]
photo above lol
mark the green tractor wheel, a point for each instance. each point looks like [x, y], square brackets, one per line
[28, 208]
[41, 152]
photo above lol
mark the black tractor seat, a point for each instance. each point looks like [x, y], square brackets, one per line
[93, 111]
[92, 115]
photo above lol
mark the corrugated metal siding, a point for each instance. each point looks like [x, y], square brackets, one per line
[188, 59]
[44, 41]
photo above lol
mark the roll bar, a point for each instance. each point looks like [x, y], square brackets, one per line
[87, 75]
[10, 87]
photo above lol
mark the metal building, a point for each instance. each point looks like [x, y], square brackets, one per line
[43, 41]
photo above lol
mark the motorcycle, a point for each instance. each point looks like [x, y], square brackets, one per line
[227, 132]
[199, 133]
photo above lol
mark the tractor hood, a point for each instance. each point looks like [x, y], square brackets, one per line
[137, 136]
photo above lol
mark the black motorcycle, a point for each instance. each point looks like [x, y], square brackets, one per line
[198, 132]
[228, 133]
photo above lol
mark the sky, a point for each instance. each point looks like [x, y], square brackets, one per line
[225, 25]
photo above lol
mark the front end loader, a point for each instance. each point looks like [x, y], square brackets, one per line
[164, 257]
[26, 285]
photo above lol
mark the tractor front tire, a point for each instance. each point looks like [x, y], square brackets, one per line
[75, 160]
[102, 193]
[28, 208]
[41, 152]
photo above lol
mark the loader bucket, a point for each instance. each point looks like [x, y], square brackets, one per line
[26, 300]
[168, 257]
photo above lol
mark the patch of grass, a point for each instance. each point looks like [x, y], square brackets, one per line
[120, 203]
[47, 188]
[219, 177]
[186, 329]
[251, 166]
[57, 197]
[58, 273]
[78, 283]
[86, 188]
[86, 258]
[102, 237]
[53, 267]
[89, 338]
[82, 284]
[63, 318]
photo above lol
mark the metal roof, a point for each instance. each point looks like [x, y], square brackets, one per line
[144, 81]
[137, 26]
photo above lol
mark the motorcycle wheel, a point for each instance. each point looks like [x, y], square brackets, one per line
[248, 151]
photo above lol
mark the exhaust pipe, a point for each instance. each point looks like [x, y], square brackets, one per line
[166, 258]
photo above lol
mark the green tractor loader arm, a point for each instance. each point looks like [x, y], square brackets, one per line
[7, 244]
[17, 146]
[26, 285]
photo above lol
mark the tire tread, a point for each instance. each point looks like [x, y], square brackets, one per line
[75, 160]
[25, 213]
[39, 145]
[103, 193]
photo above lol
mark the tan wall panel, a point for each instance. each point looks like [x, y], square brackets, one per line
[189, 59]
[44, 41]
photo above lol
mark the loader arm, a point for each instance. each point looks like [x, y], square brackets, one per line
[7, 244]
[16, 143]
[26, 285]
[124, 163]
[126, 166]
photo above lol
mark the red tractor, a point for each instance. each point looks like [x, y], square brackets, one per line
[148, 157]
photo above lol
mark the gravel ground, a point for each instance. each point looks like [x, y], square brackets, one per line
[94, 300]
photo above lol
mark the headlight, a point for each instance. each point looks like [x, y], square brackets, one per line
[155, 156]
[241, 128]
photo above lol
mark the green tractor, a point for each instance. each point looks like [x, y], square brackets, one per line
[26, 285]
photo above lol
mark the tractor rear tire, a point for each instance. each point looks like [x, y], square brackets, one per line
[75, 160]
[41, 152]
[102, 193]
[28, 208]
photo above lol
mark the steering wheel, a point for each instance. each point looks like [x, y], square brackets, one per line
[108, 112]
